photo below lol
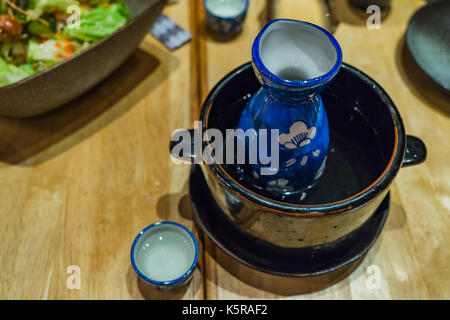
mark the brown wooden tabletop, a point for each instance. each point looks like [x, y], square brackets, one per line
[78, 184]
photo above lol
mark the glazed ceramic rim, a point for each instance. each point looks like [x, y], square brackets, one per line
[90, 48]
[410, 35]
[307, 211]
[228, 17]
[169, 282]
[297, 83]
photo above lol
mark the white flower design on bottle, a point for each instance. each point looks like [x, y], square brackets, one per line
[279, 185]
[292, 161]
[321, 169]
[299, 136]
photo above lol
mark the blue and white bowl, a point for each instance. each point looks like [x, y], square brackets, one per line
[225, 17]
[164, 255]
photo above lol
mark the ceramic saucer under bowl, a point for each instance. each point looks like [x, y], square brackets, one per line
[265, 257]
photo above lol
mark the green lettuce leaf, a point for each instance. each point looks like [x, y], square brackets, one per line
[37, 28]
[10, 73]
[47, 6]
[99, 22]
[45, 51]
[52, 51]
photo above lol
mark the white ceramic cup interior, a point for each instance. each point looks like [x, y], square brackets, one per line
[164, 252]
[226, 8]
[296, 51]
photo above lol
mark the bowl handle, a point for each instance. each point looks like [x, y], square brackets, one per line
[186, 154]
[415, 153]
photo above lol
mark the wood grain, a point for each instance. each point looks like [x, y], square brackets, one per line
[79, 183]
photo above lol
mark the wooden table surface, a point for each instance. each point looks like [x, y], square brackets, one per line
[78, 184]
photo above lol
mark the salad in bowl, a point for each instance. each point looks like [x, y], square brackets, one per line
[36, 34]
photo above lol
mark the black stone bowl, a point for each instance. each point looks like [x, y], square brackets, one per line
[368, 146]
[428, 40]
[67, 80]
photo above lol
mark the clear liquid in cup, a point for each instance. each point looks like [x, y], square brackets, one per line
[165, 255]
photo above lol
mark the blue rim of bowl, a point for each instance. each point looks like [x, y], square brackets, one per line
[230, 17]
[170, 282]
[293, 83]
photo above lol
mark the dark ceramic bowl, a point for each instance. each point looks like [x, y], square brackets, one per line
[268, 258]
[428, 40]
[364, 4]
[367, 149]
[67, 80]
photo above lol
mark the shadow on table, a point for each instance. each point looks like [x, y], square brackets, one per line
[184, 208]
[420, 85]
[181, 200]
[283, 286]
[34, 140]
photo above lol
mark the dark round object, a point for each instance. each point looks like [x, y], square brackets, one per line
[268, 258]
[428, 40]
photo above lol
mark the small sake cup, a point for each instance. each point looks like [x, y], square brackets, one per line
[164, 255]
[226, 17]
